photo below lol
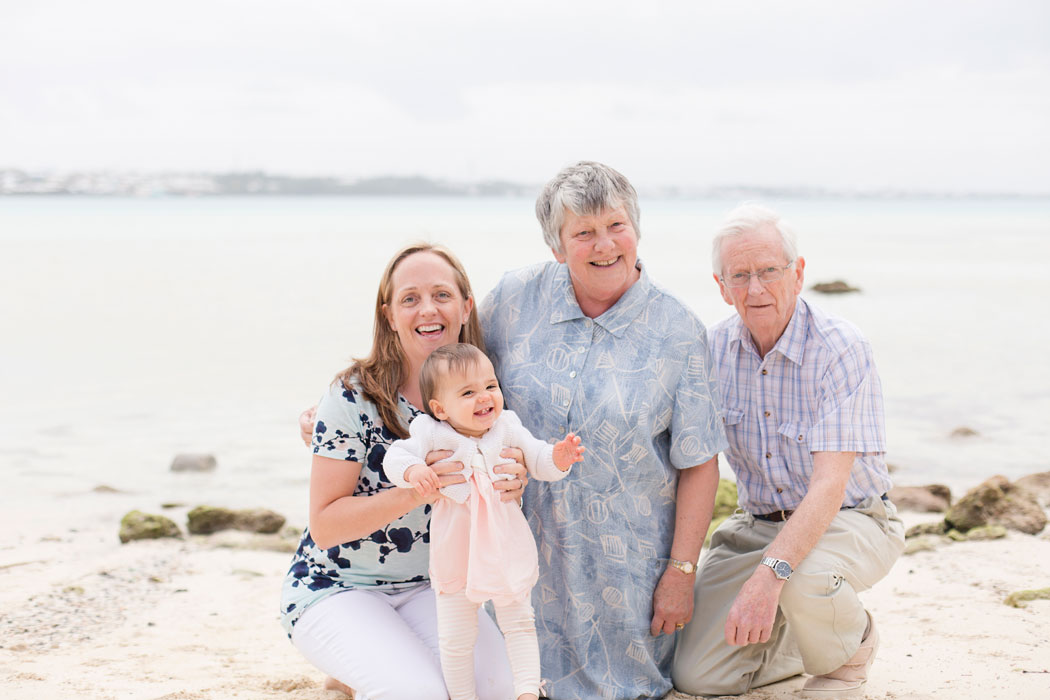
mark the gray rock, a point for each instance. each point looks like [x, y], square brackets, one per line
[204, 520]
[1038, 485]
[137, 525]
[925, 543]
[997, 502]
[986, 532]
[836, 287]
[189, 462]
[725, 505]
[922, 529]
[934, 498]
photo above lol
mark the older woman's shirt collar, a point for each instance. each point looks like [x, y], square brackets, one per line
[617, 318]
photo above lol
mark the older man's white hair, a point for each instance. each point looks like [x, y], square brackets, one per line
[748, 218]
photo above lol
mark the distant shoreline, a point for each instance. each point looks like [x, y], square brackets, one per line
[15, 182]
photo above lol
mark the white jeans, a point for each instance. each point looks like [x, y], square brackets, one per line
[385, 646]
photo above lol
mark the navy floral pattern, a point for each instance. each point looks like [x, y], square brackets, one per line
[348, 428]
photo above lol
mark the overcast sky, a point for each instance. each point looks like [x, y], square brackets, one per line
[943, 95]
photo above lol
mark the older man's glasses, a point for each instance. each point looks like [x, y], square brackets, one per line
[766, 275]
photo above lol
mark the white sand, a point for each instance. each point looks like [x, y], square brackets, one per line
[84, 616]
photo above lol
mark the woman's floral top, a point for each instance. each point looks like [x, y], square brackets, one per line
[349, 428]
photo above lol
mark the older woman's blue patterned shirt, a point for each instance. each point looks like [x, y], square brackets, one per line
[635, 384]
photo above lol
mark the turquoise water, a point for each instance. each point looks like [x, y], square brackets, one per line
[136, 328]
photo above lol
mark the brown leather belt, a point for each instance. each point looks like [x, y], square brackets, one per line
[777, 516]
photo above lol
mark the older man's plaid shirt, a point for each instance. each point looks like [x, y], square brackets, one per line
[817, 390]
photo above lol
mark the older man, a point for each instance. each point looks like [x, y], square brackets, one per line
[777, 593]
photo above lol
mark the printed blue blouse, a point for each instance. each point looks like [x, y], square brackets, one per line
[636, 385]
[349, 428]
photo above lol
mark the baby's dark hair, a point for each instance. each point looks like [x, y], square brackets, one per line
[455, 358]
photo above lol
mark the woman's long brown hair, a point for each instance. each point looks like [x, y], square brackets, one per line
[381, 374]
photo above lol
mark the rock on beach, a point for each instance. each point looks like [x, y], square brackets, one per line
[725, 505]
[137, 525]
[204, 520]
[997, 502]
[1038, 485]
[836, 287]
[934, 498]
[191, 462]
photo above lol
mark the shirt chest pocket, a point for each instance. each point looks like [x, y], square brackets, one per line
[735, 433]
[732, 418]
[794, 441]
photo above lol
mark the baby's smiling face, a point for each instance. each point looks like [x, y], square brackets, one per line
[470, 401]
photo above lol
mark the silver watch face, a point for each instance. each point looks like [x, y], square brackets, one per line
[782, 569]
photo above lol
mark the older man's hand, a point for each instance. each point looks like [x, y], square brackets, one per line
[672, 602]
[750, 620]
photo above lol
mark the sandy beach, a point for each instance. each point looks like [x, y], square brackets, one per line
[82, 615]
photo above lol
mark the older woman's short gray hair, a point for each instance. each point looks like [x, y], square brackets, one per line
[747, 218]
[585, 188]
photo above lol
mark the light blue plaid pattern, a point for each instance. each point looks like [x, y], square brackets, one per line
[817, 390]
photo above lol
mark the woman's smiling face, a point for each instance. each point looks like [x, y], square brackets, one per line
[601, 251]
[426, 308]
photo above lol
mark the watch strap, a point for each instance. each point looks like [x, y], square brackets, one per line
[686, 567]
[775, 564]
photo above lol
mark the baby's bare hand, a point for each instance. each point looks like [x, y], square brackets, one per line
[568, 452]
[424, 479]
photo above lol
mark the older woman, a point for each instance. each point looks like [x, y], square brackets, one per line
[356, 601]
[590, 344]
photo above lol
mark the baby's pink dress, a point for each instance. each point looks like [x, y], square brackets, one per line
[477, 542]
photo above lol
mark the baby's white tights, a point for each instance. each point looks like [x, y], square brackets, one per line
[457, 620]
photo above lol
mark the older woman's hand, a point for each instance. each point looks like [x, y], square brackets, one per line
[307, 419]
[511, 489]
[448, 472]
[672, 602]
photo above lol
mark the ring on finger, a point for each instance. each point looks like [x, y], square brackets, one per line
[678, 625]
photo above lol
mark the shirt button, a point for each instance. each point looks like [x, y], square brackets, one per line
[765, 371]
[800, 438]
[780, 490]
[768, 455]
[768, 414]
[566, 403]
[572, 374]
[561, 429]
[582, 350]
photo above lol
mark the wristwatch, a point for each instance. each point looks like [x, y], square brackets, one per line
[686, 567]
[781, 569]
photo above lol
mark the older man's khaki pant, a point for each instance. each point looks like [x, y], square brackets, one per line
[820, 621]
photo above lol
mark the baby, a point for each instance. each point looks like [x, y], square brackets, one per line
[480, 547]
